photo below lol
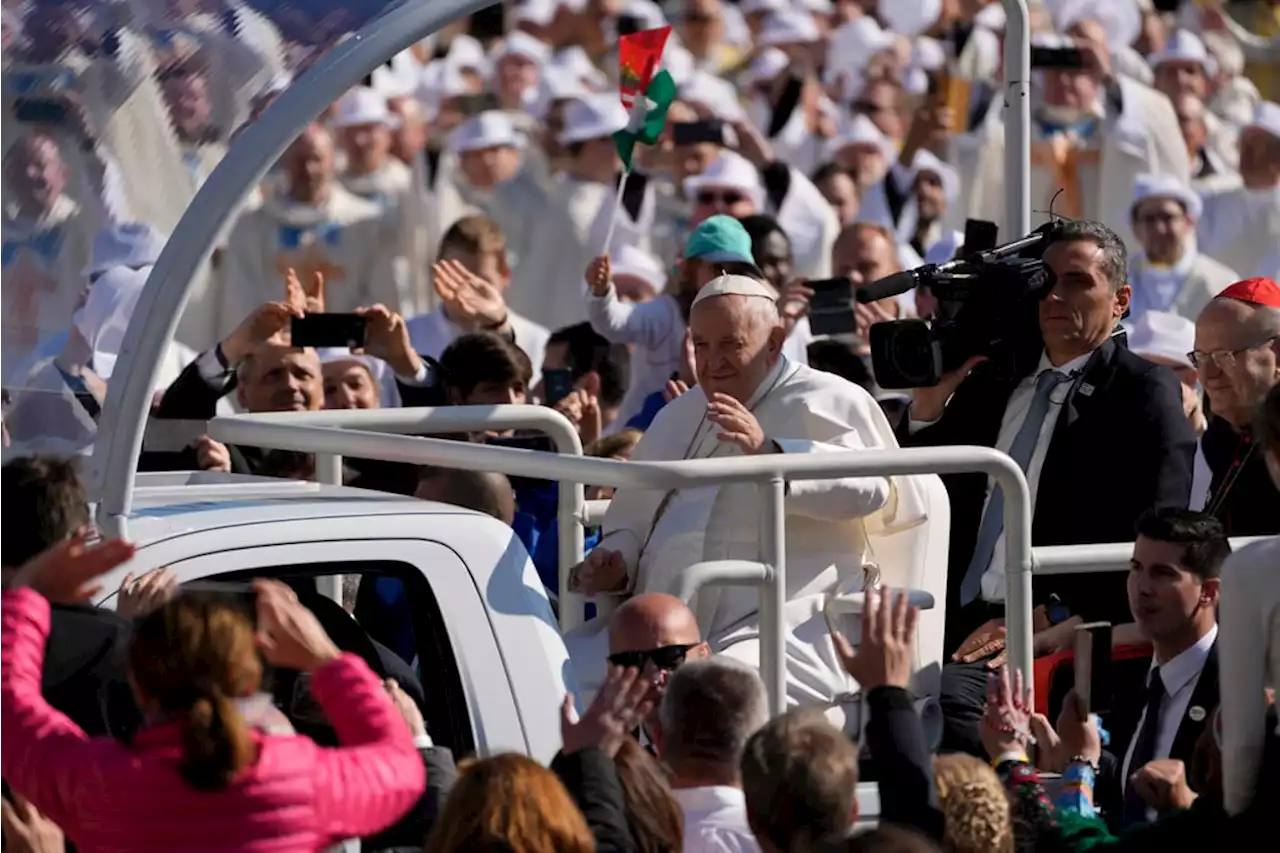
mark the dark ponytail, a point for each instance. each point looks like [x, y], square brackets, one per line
[216, 744]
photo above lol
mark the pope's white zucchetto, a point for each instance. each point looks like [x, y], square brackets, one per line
[735, 285]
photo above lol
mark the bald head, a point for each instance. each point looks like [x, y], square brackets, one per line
[482, 491]
[308, 165]
[1237, 357]
[651, 621]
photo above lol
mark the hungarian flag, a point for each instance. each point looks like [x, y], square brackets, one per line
[646, 92]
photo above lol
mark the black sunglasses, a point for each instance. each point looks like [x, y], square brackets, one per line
[664, 658]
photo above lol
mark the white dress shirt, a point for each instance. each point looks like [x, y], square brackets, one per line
[1179, 676]
[1014, 415]
[715, 820]
[431, 334]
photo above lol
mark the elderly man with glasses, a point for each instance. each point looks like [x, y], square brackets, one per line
[1237, 356]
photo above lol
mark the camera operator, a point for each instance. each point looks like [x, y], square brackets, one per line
[1099, 432]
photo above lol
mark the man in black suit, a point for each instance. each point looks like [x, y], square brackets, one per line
[1173, 595]
[1099, 432]
[84, 669]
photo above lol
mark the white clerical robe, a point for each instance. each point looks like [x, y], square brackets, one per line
[431, 333]
[1095, 174]
[1241, 228]
[406, 219]
[343, 238]
[515, 204]
[836, 530]
[43, 273]
[547, 285]
[1183, 289]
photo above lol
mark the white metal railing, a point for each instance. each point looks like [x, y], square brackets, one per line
[1083, 559]
[771, 471]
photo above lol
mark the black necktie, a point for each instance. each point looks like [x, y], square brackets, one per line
[1144, 750]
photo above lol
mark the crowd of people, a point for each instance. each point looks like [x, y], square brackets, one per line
[468, 203]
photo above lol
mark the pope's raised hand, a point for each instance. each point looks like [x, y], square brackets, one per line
[738, 425]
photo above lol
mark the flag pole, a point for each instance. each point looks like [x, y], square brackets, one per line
[617, 209]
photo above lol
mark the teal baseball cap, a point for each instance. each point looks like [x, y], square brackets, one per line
[721, 239]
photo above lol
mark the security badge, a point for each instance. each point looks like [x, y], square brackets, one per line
[1197, 714]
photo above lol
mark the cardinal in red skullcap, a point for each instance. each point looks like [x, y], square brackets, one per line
[1237, 356]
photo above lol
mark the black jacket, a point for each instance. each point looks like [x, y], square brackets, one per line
[85, 669]
[592, 780]
[1249, 505]
[1121, 446]
[901, 762]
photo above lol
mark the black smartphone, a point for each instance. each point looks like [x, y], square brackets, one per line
[40, 111]
[470, 105]
[1093, 682]
[628, 24]
[328, 330]
[1057, 57]
[831, 306]
[695, 132]
[557, 384]
[488, 24]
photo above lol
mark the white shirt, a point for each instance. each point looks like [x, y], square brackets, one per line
[715, 820]
[1179, 677]
[431, 334]
[1015, 414]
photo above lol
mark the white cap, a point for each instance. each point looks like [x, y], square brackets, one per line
[1267, 117]
[489, 129]
[362, 105]
[521, 44]
[1167, 186]
[648, 13]
[768, 64]
[735, 285]
[539, 12]
[1184, 46]
[331, 355]
[631, 260]
[593, 117]
[572, 61]
[927, 161]
[818, 7]
[399, 79]
[124, 244]
[729, 170]
[789, 26]
[909, 17]
[992, 17]
[861, 130]
[752, 7]
[715, 93]
[928, 54]
[466, 52]
[1159, 334]
[1121, 19]
[850, 49]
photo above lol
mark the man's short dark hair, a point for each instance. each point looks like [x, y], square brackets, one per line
[761, 225]
[44, 503]
[480, 357]
[1202, 537]
[1115, 258]
[588, 351]
[800, 780]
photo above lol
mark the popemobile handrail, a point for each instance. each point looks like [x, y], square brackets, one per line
[771, 471]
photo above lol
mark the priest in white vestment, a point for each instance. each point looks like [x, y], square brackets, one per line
[1170, 274]
[1241, 227]
[571, 229]
[751, 400]
[1092, 133]
[47, 237]
[364, 124]
[312, 225]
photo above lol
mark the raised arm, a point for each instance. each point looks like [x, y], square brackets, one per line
[647, 324]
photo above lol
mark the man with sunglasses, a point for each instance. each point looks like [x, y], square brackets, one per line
[1237, 355]
[658, 629]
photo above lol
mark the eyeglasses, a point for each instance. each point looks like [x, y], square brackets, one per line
[664, 657]
[1226, 359]
[728, 197]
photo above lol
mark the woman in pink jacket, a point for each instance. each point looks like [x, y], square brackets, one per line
[196, 778]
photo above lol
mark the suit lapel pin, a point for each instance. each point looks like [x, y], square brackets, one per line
[1197, 714]
[1086, 390]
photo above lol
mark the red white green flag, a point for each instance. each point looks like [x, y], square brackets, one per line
[646, 92]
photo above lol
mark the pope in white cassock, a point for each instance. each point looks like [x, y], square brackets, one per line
[751, 400]
[1241, 226]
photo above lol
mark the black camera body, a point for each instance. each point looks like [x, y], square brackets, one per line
[987, 305]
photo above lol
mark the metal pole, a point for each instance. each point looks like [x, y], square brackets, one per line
[1017, 119]
[773, 595]
[113, 468]
[329, 468]
[1017, 583]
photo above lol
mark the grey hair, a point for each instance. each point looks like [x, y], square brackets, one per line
[1115, 258]
[710, 709]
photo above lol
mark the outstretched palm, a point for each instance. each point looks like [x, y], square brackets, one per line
[474, 298]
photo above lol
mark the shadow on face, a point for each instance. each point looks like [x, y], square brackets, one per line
[279, 379]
